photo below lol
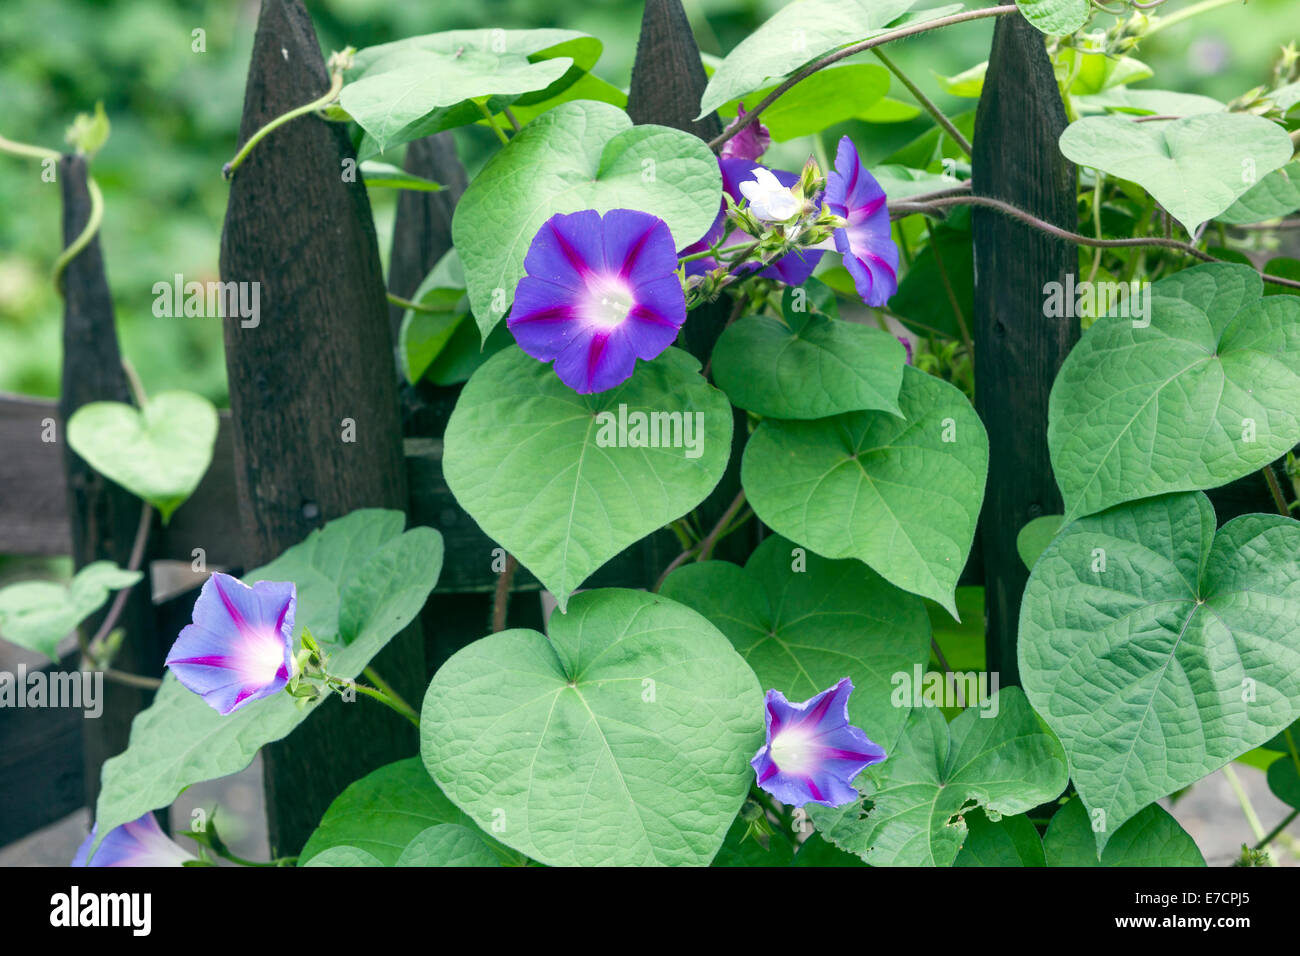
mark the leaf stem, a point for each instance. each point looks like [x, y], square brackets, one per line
[1274, 833]
[1275, 490]
[926, 102]
[92, 647]
[491, 121]
[401, 706]
[87, 233]
[907, 209]
[834, 57]
[501, 599]
[330, 95]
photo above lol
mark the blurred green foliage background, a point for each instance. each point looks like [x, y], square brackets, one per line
[175, 116]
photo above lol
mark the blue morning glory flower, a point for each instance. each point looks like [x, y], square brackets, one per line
[240, 647]
[140, 843]
[812, 753]
[870, 254]
[600, 293]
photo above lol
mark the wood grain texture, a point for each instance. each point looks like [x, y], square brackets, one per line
[668, 76]
[319, 361]
[1018, 350]
[103, 517]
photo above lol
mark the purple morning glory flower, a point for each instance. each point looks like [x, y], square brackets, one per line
[750, 143]
[240, 646]
[141, 843]
[600, 293]
[813, 753]
[794, 268]
[869, 251]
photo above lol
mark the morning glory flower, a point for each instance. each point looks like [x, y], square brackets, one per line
[869, 251]
[769, 198]
[240, 646]
[813, 753]
[750, 143]
[793, 268]
[141, 843]
[600, 293]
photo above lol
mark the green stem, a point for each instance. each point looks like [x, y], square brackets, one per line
[336, 84]
[386, 687]
[514, 121]
[491, 121]
[948, 289]
[1274, 833]
[1205, 6]
[854, 48]
[716, 252]
[401, 706]
[75, 248]
[31, 152]
[1247, 810]
[926, 102]
[408, 304]
[1096, 226]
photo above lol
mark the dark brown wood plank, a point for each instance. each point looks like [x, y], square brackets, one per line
[33, 490]
[42, 777]
[1018, 350]
[319, 361]
[103, 517]
[668, 76]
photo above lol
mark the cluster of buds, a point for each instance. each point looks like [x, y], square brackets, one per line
[1120, 40]
[780, 219]
[1262, 100]
[309, 669]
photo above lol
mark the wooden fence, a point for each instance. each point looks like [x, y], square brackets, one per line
[323, 352]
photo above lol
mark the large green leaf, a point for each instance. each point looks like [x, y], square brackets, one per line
[39, 614]
[539, 468]
[382, 812]
[623, 739]
[1274, 196]
[580, 155]
[1157, 650]
[1056, 17]
[1205, 393]
[1010, 841]
[901, 494]
[1152, 838]
[401, 91]
[796, 34]
[809, 365]
[448, 845]
[360, 580]
[343, 856]
[1284, 781]
[159, 453]
[802, 623]
[913, 803]
[1196, 167]
[829, 96]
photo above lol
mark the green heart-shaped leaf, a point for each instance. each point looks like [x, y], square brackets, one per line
[624, 739]
[401, 91]
[796, 34]
[383, 812]
[808, 366]
[1157, 650]
[901, 494]
[1196, 167]
[827, 97]
[343, 856]
[913, 802]
[1284, 781]
[1206, 392]
[540, 467]
[1152, 838]
[1011, 841]
[448, 845]
[158, 454]
[802, 623]
[580, 155]
[360, 580]
[1274, 196]
[39, 614]
[1056, 17]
